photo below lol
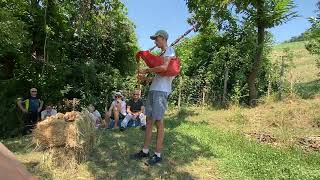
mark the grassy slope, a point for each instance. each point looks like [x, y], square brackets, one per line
[305, 71]
[208, 144]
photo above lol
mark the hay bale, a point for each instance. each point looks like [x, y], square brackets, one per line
[69, 133]
[49, 133]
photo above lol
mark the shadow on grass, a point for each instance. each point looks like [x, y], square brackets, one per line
[176, 119]
[19, 145]
[111, 157]
[308, 90]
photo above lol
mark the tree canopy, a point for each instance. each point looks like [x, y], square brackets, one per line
[66, 49]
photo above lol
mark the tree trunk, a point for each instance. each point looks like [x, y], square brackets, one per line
[36, 31]
[8, 66]
[225, 85]
[179, 98]
[269, 86]
[203, 96]
[291, 83]
[258, 57]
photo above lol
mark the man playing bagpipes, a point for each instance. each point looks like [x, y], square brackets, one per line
[156, 103]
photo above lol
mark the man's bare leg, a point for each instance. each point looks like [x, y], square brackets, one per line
[116, 118]
[148, 135]
[144, 153]
[160, 135]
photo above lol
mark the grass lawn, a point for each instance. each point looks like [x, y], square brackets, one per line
[199, 144]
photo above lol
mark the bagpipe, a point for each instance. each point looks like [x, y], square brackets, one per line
[152, 60]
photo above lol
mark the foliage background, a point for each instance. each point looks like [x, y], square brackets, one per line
[66, 49]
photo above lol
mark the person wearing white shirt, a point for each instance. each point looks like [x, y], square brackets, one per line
[49, 111]
[156, 103]
[95, 116]
[117, 110]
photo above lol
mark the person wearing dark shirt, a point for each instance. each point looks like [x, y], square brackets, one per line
[32, 107]
[135, 111]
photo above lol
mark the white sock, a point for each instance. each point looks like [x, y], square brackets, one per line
[146, 151]
[158, 154]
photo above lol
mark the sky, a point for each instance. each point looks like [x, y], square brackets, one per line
[171, 15]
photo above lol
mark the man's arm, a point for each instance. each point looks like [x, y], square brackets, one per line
[161, 68]
[110, 108]
[21, 107]
[128, 110]
[41, 105]
[142, 109]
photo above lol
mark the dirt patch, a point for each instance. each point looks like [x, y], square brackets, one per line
[262, 137]
[310, 143]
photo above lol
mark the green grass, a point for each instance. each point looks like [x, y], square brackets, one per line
[194, 148]
[304, 74]
[291, 45]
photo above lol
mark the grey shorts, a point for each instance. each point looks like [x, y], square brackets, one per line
[156, 104]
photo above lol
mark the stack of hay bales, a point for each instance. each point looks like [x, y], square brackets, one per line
[69, 135]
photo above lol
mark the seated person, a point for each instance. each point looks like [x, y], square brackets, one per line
[95, 116]
[49, 111]
[135, 110]
[117, 110]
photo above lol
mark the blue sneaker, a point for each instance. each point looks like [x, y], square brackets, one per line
[140, 155]
[153, 160]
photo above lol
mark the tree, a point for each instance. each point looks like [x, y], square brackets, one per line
[83, 49]
[206, 59]
[263, 14]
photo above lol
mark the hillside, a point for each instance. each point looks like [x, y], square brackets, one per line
[304, 72]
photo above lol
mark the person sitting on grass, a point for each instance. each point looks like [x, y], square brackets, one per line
[135, 111]
[95, 116]
[117, 110]
[49, 111]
